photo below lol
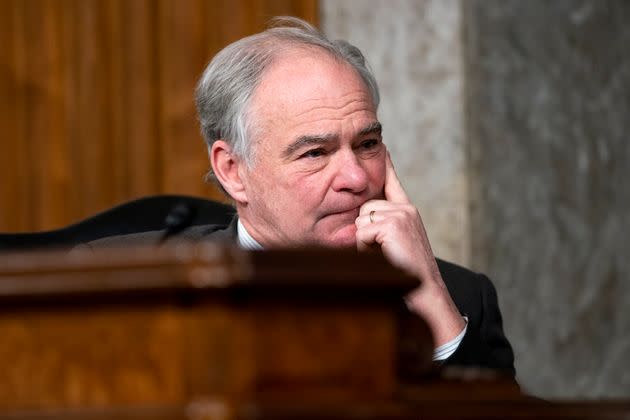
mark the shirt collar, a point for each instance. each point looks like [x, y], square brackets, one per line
[245, 240]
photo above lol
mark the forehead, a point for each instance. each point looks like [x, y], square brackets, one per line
[310, 89]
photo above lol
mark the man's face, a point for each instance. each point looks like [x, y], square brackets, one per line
[318, 153]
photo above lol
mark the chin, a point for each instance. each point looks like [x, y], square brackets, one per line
[341, 238]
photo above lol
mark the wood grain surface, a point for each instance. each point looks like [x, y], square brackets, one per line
[96, 100]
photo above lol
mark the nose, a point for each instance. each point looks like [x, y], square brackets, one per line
[350, 175]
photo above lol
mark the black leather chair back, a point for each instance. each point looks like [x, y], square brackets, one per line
[140, 215]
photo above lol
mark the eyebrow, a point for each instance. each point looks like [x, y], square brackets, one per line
[373, 128]
[308, 140]
[319, 139]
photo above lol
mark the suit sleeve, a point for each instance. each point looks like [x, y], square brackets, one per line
[485, 344]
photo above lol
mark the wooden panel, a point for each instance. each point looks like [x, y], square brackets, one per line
[92, 144]
[97, 100]
[141, 70]
[11, 155]
[139, 363]
[182, 54]
[164, 326]
[44, 106]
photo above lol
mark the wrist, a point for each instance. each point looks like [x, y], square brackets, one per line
[439, 311]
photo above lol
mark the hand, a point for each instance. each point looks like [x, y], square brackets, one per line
[397, 227]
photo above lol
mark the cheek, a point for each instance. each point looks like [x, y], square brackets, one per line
[376, 172]
[308, 190]
[285, 189]
[265, 188]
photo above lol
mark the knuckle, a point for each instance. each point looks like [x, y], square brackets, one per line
[410, 208]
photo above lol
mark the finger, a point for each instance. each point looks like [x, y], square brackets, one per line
[369, 219]
[385, 206]
[378, 205]
[364, 220]
[394, 191]
[367, 237]
[376, 216]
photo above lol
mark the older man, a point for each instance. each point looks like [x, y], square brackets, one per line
[290, 121]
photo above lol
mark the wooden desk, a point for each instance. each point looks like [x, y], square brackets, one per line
[160, 328]
[207, 332]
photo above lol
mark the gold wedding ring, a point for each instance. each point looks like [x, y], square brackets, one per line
[372, 216]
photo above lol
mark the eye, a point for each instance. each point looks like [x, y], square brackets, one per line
[369, 144]
[313, 153]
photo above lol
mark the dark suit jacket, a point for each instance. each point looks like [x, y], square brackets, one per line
[484, 344]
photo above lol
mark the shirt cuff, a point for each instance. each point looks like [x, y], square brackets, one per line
[446, 350]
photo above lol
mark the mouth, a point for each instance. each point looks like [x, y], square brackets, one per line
[343, 213]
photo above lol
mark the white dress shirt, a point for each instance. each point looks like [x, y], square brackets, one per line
[443, 352]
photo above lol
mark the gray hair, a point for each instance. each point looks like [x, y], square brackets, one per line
[228, 82]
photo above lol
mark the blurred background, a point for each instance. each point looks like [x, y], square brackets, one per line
[507, 120]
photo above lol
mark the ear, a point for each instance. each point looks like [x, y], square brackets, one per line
[226, 167]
